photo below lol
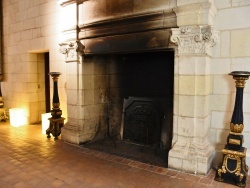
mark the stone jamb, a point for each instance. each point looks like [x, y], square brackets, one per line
[191, 151]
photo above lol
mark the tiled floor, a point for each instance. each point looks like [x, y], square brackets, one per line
[29, 159]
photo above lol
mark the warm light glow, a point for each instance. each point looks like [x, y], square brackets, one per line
[17, 117]
[45, 122]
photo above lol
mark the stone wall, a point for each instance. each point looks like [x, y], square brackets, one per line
[204, 92]
[232, 54]
[30, 28]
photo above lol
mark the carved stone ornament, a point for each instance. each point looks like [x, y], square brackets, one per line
[72, 50]
[194, 40]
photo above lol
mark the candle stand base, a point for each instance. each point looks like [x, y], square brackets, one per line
[233, 168]
[3, 115]
[55, 127]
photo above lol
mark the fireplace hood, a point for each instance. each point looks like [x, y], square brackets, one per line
[128, 34]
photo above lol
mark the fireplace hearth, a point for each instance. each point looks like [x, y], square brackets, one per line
[131, 151]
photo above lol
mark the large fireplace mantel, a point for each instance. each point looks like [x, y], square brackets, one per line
[106, 27]
[133, 33]
[142, 22]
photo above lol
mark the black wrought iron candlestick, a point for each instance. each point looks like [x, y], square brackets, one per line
[233, 168]
[56, 121]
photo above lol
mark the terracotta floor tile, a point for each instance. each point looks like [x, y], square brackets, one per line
[198, 185]
[205, 180]
[118, 159]
[126, 161]
[162, 170]
[152, 168]
[29, 159]
[134, 164]
[143, 166]
[103, 155]
[182, 175]
[22, 185]
[193, 178]
[172, 173]
[110, 157]
[231, 186]
[57, 183]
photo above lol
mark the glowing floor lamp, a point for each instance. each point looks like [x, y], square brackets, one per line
[56, 121]
[45, 122]
[17, 117]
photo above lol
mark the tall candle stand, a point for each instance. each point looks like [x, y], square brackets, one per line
[56, 121]
[233, 168]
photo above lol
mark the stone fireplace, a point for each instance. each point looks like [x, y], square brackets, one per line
[154, 49]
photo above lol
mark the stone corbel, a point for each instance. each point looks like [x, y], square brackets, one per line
[72, 50]
[194, 40]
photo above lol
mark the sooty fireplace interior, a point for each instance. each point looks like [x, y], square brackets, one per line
[148, 115]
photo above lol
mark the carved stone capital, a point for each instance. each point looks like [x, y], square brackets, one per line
[72, 50]
[194, 40]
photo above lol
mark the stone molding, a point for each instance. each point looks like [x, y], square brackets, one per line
[163, 19]
[194, 40]
[68, 2]
[69, 33]
[72, 50]
[195, 14]
[191, 157]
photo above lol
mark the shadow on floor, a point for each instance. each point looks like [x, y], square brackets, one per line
[128, 150]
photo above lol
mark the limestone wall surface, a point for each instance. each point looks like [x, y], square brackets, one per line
[232, 54]
[30, 28]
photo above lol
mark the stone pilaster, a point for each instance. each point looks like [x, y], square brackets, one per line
[70, 46]
[191, 151]
[73, 51]
[79, 127]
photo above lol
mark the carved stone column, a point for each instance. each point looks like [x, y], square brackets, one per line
[191, 151]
